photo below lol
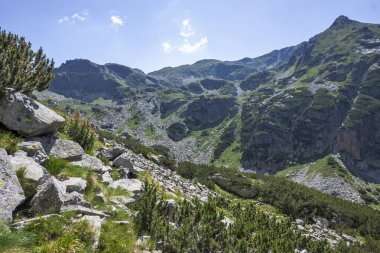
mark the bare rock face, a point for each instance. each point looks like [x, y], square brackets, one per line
[49, 198]
[26, 116]
[11, 193]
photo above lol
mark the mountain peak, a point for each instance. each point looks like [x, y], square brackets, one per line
[342, 21]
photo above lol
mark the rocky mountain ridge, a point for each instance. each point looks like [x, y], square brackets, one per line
[327, 86]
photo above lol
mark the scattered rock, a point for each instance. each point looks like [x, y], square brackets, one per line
[106, 178]
[33, 173]
[131, 185]
[227, 221]
[100, 197]
[75, 198]
[122, 200]
[75, 184]
[83, 210]
[96, 224]
[135, 170]
[68, 150]
[34, 149]
[122, 222]
[123, 161]
[170, 206]
[90, 162]
[49, 198]
[142, 240]
[22, 224]
[111, 154]
[11, 193]
[26, 116]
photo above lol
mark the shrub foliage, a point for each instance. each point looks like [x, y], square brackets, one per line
[21, 68]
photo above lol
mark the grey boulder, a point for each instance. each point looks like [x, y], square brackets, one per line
[66, 149]
[95, 222]
[123, 161]
[49, 198]
[33, 173]
[26, 116]
[11, 193]
[75, 184]
[90, 162]
[75, 198]
[34, 149]
[131, 185]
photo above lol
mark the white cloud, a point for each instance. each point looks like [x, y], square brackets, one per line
[167, 47]
[81, 16]
[63, 19]
[187, 29]
[116, 22]
[188, 48]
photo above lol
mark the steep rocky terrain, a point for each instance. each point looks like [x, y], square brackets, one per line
[58, 196]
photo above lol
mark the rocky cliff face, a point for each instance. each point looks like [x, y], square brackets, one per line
[328, 104]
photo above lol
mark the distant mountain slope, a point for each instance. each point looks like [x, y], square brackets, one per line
[291, 106]
[228, 70]
[86, 80]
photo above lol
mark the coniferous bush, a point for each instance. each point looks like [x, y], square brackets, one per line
[21, 68]
[81, 131]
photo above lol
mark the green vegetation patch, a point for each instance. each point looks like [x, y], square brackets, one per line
[9, 141]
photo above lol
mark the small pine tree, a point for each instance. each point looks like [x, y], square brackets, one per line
[81, 131]
[21, 68]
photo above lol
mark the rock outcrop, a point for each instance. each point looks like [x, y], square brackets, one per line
[26, 116]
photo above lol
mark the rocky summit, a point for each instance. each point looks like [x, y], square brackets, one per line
[278, 153]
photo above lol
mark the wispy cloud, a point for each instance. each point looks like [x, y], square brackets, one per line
[78, 16]
[187, 31]
[188, 48]
[167, 47]
[117, 21]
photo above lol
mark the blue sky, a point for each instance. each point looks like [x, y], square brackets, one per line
[153, 34]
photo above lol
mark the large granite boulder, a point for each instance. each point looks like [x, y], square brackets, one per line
[11, 193]
[49, 198]
[26, 116]
[33, 173]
